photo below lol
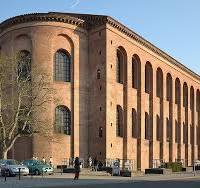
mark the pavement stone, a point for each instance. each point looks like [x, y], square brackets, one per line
[66, 180]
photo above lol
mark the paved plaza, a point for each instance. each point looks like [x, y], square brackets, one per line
[66, 180]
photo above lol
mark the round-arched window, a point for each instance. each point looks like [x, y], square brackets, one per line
[62, 66]
[63, 120]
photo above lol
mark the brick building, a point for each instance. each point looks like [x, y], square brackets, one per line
[120, 96]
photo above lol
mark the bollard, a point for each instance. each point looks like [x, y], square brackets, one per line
[61, 170]
[19, 173]
[5, 173]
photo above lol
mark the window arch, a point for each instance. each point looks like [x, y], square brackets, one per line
[134, 124]
[136, 71]
[119, 121]
[169, 87]
[63, 120]
[121, 64]
[192, 98]
[148, 78]
[177, 91]
[159, 83]
[24, 65]
[185, 95]
[62, 66]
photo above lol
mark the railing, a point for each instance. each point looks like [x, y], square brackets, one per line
[128, 164]
[69, 162]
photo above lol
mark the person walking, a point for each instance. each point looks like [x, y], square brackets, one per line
[51, 161]
[77, 168]
[95, 164]
[44, 160]
[90, 161]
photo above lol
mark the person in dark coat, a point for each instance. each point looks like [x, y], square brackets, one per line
[77, 168]
[95, 164]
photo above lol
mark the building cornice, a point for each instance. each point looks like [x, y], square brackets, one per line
[42, 17]
[89, 21]
[128, 32]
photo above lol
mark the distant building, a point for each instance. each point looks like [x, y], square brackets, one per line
[120, 96]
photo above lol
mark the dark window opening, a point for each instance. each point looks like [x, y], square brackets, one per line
[119, 67]
[100, 132]
[148, 78]
[147, 130]
[134, 124]
[98, 74]
[119, 121]
[158, 128]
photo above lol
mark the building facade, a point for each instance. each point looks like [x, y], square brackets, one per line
[119, 95]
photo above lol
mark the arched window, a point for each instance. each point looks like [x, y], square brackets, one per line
[148, 78]
[134, 124]
[169, 87]
[159, 83]
[185, 133]
[177, 91]
[176, 131]
[158, 128]
[100, 132]
[63, 120]
[24, 65]
[168, 129]
[147, 128]
[136, 69]
[185, 95]
[198, 101]
[119, 121]
[62, 66]
[192, 98]
[120, 67]
[98, 74]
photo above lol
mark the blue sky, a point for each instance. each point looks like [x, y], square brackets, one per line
[172, 25]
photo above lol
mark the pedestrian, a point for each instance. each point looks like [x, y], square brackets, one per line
[51, 161]
[95, 164]
[71, 161]
[90, 161]
[44, 160]
[77, 168]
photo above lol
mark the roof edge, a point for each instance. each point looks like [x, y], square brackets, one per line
[130, 33]
[88, 21]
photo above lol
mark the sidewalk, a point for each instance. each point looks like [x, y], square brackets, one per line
[66, 180]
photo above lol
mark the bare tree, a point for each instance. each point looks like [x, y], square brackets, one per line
[24, 90]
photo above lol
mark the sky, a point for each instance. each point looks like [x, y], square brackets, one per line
[171, 25]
